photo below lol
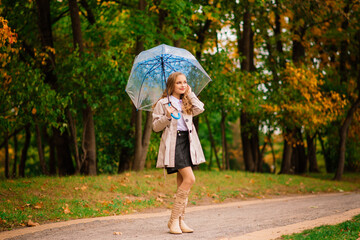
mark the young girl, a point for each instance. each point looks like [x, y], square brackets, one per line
[180, 148]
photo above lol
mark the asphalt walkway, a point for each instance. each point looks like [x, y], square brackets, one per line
[252, 219]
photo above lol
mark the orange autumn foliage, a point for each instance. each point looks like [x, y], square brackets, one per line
[303, 103]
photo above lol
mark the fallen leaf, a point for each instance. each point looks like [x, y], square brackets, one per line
[106, 211]
[117, 233]
[252, 181]
[128, 174]
[227, 176]
[38, 205]
[159, 199]
[162, 195]
[147, 176]
[32, 224]
[109, 177]
[83, 188]
[66, 209]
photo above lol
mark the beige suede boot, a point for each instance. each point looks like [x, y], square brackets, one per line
[183, 226]
[174, 223]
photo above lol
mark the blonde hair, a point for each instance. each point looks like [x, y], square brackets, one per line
[170, 86]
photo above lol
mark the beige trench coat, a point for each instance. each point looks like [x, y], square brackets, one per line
[166, 156]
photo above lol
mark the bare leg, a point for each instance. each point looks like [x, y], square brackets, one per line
[185, 180]
[188, 178]
[179, 179]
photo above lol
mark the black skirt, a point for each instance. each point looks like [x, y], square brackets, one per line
[182, 152]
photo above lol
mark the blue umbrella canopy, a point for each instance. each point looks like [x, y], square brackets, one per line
[151, 68]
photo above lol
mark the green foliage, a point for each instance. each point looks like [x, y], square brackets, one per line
[347, 230]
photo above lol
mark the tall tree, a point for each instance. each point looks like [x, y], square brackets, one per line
[64, 160]
[88, 140]
[142, 134]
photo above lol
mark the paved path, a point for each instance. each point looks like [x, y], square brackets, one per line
[253, 219]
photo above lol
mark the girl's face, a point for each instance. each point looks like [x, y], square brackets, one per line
[180, 85]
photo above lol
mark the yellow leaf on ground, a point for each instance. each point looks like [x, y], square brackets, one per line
[117, 233]
[38, 205]
[227, 176]
[147, 176]
[66, 209]
[32, 224]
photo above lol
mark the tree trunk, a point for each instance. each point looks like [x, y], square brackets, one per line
[311, 146]
[142, 140]
[15, 156]
[246, 143]
[63, 153]
[299, 154]
[142, 137]
[286, 161]
[44, 23]
[88, 141]
[40, 149]
[212, 141]
[73, 136]
[52, 156]
[350, 114]
[7, 155]
[76, 25]
[24, 151]
[260, 167]
[225, 157]
[90, 15]
[273, 153]
[249, 135]
[343, 135]
[52, 151]
[255, 149]
[329, 163]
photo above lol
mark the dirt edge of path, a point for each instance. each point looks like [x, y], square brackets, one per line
[28, 230]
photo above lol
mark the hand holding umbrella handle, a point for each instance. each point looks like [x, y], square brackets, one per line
[176, 117]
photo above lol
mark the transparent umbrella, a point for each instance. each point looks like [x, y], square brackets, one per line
[151, 69]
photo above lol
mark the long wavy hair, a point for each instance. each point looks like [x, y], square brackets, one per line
[170, 85]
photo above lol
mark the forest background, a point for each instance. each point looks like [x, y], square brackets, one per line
[285, 90]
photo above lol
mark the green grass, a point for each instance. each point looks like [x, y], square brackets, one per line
[349, 230]
[51, 199]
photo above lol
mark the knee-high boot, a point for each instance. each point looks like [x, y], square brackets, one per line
[183, 226]
[174, 223]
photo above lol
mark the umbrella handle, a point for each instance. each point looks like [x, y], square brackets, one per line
[176, 117]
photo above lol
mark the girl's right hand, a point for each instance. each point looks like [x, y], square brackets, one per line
[169, 111]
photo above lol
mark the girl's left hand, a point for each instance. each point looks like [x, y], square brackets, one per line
[188, 89]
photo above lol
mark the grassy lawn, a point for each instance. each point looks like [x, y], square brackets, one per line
[51, 199]
[349, 230]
